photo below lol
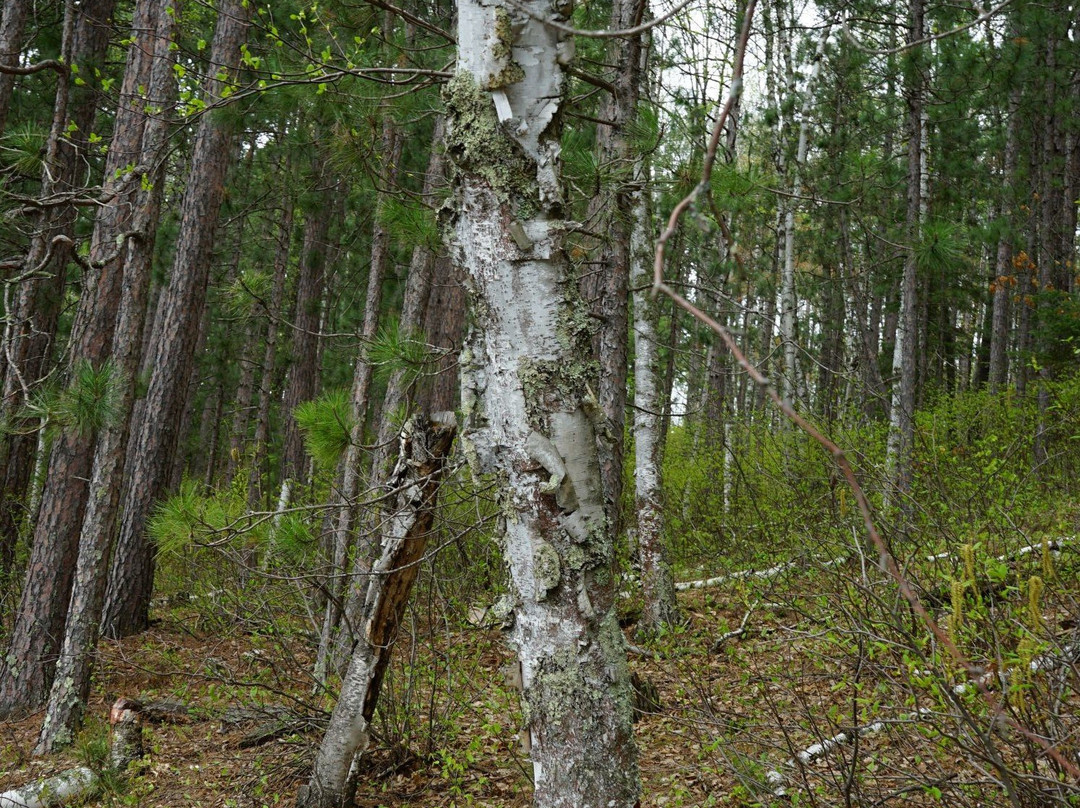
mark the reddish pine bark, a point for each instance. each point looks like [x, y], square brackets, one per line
[152, 443]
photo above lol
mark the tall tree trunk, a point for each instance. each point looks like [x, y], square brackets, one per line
[425, 445]
[1005, 280]
[12, 24]
[153, 437]
[612, 213]
[300, 384]
[153, 31]
[268, 368]
[657, 581]
[27, 668]
[350, 472]
[788, 300]
[901, 437]
[34, 314]
[529, 375]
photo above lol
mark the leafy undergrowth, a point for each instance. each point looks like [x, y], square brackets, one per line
[824, 651]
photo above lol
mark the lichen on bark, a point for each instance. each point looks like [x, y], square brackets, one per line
[477, 143]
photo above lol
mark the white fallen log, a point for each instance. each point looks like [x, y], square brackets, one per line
[1056, 546]
[708, 583]
[80, 782]
[1044, 662]
[776, 779]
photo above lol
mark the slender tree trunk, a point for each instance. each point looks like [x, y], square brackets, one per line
[153, 438]
[342, 600]
[267, 370]
[1005, 281]
[901, 438]
[153, 34]
[613, 214]
[302, 378]
[657, 581]
[242, 402]
[424, 447]
[529, 372]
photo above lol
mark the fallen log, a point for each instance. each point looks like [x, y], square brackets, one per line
[80, 782]
[771, 572]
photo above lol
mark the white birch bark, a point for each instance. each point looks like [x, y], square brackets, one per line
[657, 582]
[901, 435]
[527, 379]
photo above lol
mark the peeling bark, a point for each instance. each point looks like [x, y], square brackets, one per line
[529, 372]
[425, 444]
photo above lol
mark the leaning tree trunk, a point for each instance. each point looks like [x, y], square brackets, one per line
[529, 372]
[171, 351]
[154, 89]
[425, 445]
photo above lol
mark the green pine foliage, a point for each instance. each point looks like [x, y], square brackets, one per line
[327, 424]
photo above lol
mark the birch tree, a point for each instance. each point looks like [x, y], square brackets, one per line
[528, 380]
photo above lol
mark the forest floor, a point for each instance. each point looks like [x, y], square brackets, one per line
[728, 715]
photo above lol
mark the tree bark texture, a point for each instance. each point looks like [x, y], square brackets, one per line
[344, 600]
[529, 376]
[901, 437]
[153, 33]
[34, 313]
[26, 670]
[268, 367]
[171, 350]
[300, 385]
[661, 608]
[424, 446]
[611, 212]
[12, 24]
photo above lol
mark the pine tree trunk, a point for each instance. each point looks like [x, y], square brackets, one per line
[424, 447]
[12, 24]
[613, 213]
[27, 670]
[341, 599]
[268, 368]
[302, 378]
[153, 34]
[445, 330]
[34, 314]
[153, 438]
[528, 375]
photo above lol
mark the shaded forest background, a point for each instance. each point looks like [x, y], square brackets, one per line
[225, 291]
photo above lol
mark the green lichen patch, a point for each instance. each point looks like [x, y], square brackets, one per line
[478, 145]
[504, 35]
[551, 385]
[547, 566]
